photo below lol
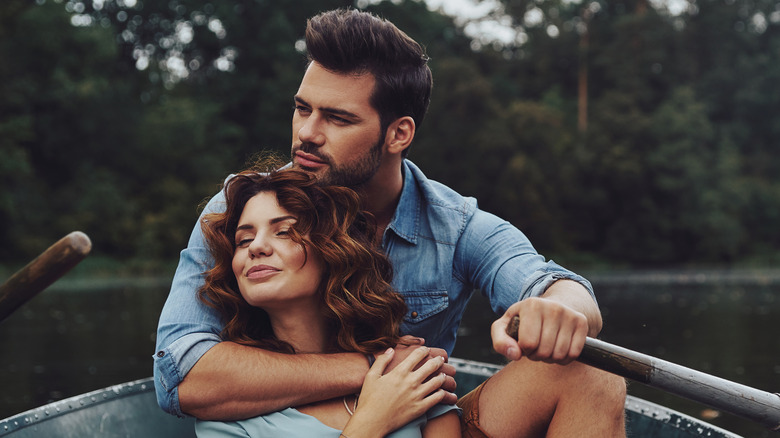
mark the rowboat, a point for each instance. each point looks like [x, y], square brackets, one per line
[130, 410]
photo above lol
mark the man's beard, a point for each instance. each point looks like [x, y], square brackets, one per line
[353, 175]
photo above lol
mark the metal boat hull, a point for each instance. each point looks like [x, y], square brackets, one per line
[130, 410]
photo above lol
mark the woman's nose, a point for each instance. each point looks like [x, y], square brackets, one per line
[259, 246]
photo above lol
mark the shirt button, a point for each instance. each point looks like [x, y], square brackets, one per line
[414, 314]
[160, 353]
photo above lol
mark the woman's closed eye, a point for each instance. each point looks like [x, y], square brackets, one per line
[243, 243]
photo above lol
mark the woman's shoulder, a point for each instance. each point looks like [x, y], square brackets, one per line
[288, 423]
[442, 409]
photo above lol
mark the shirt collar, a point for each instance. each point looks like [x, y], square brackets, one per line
[406, 220]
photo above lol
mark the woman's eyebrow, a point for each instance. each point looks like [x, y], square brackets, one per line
[282, 219]
[273, 221]
[244, 227]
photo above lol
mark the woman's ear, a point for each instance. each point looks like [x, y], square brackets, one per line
[400, 134]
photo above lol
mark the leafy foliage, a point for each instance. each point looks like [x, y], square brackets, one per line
[119, 117]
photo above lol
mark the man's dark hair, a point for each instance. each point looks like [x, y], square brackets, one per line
[352, 41]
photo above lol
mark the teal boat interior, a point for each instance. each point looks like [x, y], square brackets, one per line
[130, 409]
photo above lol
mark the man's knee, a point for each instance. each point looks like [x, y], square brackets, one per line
[576, 381]
[616, 385]
[536, 397]
[603, 387]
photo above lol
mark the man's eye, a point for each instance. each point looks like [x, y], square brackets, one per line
[301, 109]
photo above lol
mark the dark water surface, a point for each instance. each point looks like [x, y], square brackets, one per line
[724, 324]
[81, 336]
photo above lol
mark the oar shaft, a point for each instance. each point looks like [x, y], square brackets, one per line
[43, 271]
[755, 405]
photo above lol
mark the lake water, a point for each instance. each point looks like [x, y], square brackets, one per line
[81, 336]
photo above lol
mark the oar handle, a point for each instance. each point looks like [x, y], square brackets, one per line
[43, 271]
[755, 405]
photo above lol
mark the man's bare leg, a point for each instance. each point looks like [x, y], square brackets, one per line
[535, 399]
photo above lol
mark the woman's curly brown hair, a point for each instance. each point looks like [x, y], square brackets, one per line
[363, 312]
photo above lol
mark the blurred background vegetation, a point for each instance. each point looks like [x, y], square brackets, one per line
[619, 133]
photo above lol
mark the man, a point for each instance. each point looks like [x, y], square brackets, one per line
[361, 99]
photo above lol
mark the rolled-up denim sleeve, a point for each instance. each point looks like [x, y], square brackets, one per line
[187, 328]
[501, 261]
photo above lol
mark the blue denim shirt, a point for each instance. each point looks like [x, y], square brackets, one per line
[442, 248]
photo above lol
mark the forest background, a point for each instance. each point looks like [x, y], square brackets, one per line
[613, 133]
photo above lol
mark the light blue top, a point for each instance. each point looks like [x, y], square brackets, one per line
[441, 245]
[291, 423]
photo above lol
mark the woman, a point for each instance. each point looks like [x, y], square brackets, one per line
[296, 272]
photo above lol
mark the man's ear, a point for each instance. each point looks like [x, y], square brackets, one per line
[400, 134]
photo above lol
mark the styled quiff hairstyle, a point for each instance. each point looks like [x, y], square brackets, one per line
[363, 312]
[349, 41]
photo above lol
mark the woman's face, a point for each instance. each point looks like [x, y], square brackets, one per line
[271, 268]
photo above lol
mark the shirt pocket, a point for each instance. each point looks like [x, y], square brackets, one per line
[422, 306]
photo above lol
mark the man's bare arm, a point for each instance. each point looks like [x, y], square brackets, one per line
[233, 381]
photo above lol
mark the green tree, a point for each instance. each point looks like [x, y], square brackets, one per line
[613, 128]
[58, 112]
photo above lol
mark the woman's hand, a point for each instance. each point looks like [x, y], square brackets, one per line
[389, 401]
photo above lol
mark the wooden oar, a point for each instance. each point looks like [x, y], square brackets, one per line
[43, 271]
[735, 398]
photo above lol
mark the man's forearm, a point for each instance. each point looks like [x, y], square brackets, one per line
[575, 296]
[233, 381]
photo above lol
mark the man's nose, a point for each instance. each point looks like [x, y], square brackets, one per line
[311, 132]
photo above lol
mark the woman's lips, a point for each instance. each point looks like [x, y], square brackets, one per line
[261, 271]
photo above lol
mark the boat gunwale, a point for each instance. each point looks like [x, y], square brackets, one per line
[59, 408]
[71, 404]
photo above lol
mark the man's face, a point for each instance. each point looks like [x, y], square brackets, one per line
[336, 131]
